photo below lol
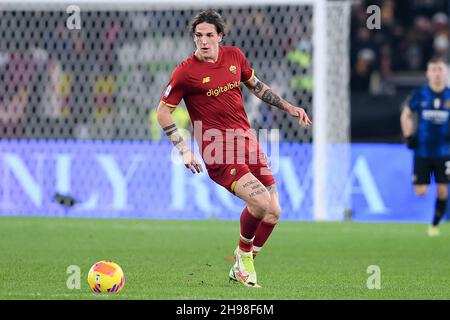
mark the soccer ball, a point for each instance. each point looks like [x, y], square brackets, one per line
[106, 276]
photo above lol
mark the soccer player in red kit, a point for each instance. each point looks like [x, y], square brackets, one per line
[209, 82]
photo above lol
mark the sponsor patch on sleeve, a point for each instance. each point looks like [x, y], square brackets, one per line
[167, 92]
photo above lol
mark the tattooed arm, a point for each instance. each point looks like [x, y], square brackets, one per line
[263, 92]
[165, 120]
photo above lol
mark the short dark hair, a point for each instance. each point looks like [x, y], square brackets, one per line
[209, 16]
[437, 59]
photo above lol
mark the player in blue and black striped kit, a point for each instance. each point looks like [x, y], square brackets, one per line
[425, 125]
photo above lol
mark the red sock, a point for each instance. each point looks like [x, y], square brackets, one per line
[249, 225]
[262, 233]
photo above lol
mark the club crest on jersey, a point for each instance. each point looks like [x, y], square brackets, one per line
[232, 69]
[206, 79]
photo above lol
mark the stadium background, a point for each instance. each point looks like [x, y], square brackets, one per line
[86, 173]
[77, 110]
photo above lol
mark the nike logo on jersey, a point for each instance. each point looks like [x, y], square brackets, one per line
[206, 79]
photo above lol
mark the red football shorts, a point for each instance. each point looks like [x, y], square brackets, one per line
[228, 174]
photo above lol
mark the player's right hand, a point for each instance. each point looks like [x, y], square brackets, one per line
[191, 162]
[411, 141]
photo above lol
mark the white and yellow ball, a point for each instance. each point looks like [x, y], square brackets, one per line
[106, 277]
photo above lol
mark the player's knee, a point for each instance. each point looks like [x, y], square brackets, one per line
[261, 207]
[274, 214]
[442, 193]
[275, 208]
[420, 190]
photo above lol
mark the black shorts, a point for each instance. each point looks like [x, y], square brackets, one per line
[424, 167]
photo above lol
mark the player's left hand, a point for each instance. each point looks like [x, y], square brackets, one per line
[411, 142]
[303, 118]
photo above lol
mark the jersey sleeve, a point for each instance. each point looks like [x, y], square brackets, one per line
[246, 71]
[413, 101]
[175, 89]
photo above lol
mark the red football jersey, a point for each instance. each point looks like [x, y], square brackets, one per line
[211, 91]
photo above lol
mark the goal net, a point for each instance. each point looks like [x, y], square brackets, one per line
[70, 92]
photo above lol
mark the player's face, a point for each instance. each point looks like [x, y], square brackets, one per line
[207, 41]
[437, 73]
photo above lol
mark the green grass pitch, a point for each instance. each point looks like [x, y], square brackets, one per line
[166, 259]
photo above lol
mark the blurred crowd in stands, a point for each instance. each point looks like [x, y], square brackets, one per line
[412, 31]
